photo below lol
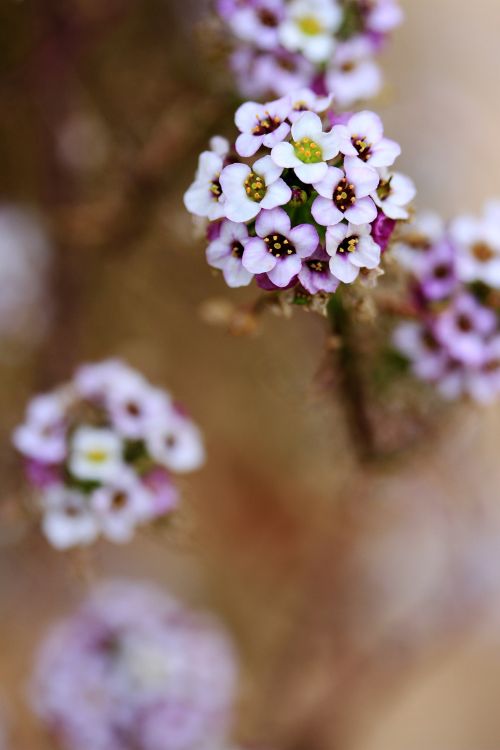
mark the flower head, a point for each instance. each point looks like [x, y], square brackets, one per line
[100, 452]
[133, 667]
[309, 26]
[203, 198]
[310, 149]
[346, 194]
[261, 125]
[351, 248]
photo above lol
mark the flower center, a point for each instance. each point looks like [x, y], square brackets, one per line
[267, 18]
[492, 366]
[118, 501]
[482, 252]
[96, 456]
[344, 196]
[384, 189]
[237, 250]
[319, 266]
[348, 66]
[430, 341]
[266, 124]
[215, 187]
[442, 271]
[348, 245]
[310, 25]
[255, 187]
[308, 151]
[133, 409]
[362, 146]
[279, 246]
[464, 323]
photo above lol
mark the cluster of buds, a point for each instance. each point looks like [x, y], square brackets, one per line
[300, 200]
[133, 668]
[101, 451]
[455, 285]
[329, 45]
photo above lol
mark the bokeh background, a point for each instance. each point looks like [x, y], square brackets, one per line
[365, 601]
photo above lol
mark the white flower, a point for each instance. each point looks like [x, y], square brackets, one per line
[310, 149]
[121, 506]
[95, 454]
[478, 247]
[345, 194]
[177, 445]
[309, 28]
[305, 100]
[135, 406]
[248, 190]
[203, 198]
[226, 252]
[261, 125]
[352, 75]
[43, 435]
[393, 194]
[351, 248]
[68, 520]
[363, 137]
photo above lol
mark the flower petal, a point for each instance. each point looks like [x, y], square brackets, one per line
[268, 169]
[310, 173]
[247, 144]
[235, 274]
[325, 212]
[326, 186]
[343, 270]
[256, 257]
[277, 195]
[363, 177]
[284, 271]
[364, 211]
[305, 239]
[366, 125]
[274, 221]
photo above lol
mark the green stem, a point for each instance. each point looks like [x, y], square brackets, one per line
[353, 395]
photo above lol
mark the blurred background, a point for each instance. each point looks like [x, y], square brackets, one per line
[365, 601]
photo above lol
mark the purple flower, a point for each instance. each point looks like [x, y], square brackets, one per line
[42, 475]
[382, 230]
[419, 345]
[344, 194]
[247, 190]
[315, 275]
[132, 667]
[226, 252]
[351, 248]
[437, 274]
[165, 495]
[478, 247]
[463, 329]
[305, 100]
[278, 249]
[261, 125]
[383, 16]
[363, 136]
[309, 150]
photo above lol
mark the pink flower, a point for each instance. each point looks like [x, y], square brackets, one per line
[351, 248]
[363, 136]
[344, 194]
[315, 275]
[278, 249]
[261, 125]
[353, 75]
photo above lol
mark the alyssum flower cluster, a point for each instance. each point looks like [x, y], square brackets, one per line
[455, 343]
[133, 668]
[101, 451]
[330, 45]
[299, 201]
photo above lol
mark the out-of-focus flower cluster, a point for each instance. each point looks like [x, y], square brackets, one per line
[329, 45]
[455, 269]
[133, 668]
[25, 256]
[299, 202]
[101, 451]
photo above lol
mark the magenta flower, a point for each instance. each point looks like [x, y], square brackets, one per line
[315, 275]
[226, 252]
[278, 249]
[261, 125]
[344, 194]
[382, 230]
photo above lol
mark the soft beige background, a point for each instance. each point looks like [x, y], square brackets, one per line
[365, 603]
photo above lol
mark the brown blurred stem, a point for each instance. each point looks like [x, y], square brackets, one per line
[348, 365]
